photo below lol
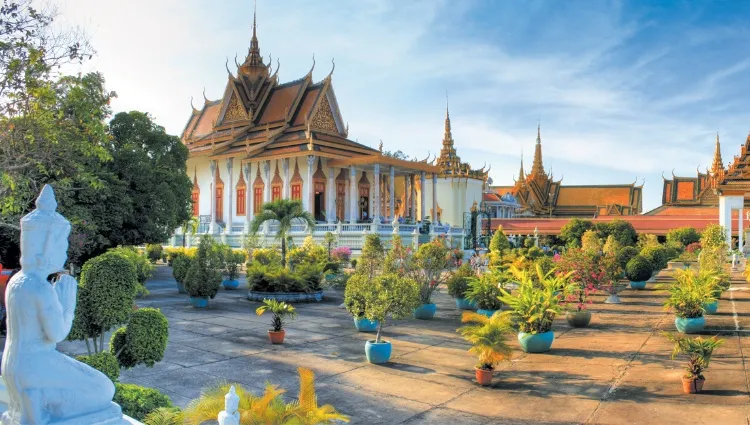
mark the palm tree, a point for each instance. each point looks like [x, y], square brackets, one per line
[189, 225]
[285, 212]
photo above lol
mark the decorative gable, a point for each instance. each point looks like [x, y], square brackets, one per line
[323, 119]
[235, 110]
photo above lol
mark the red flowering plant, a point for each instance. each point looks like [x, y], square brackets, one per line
[590, 272]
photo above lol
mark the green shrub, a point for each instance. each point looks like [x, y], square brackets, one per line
[143, 341]
[622, 231]
[458, 282]
[137, 401]
[499, 241]
[106, 295]
[154, 251]
[639, 269]
[229, 260]
[484, 291]
[657, 255]
[625, 254]
[204, 276]
[143, 267]
[684, 236]
[274, 278]
[572, 232]
[104, 362]
[267, 256]
[309, 253]
[180, 265]
[714, 235]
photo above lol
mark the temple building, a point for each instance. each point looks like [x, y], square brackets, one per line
[264, 140]
[697, 196]
[540, 195]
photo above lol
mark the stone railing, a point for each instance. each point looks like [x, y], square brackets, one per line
[351, 235]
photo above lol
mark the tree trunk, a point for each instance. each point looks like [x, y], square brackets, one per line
[380, 330]
[101, 341]
[283, 251]
[88, 347]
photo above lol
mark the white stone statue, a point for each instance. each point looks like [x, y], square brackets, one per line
[46, 387]
[230, 415]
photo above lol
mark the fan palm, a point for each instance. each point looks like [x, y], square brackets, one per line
[268, 408]
[488, 337]
[164, 416]
[285, 212]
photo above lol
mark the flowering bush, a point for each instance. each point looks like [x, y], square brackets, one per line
[590, 272]
[694, 247]
[341, 254]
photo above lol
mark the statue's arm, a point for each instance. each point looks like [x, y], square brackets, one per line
[56, 310]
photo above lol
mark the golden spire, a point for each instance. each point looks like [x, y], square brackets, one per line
[537, 168]
[718, 164]
[254, 61]
[447, 137]
[521, 174]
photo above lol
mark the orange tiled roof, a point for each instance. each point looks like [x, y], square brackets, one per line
[280, 102]
[592, 195]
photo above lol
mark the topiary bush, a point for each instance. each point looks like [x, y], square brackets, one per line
[204, 275]
[458, 282]
[657, 255]
[684, 236]
[137, 401]
[154, 252]
[180, 265]
[106, 294]
[625, 254]
[143, 341]
[639, 269]
[143, 267]
[104, 362]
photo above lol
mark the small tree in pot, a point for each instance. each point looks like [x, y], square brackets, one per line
[458, 286]
[387, 295]
[638, 271]
[280, 311]
[430, 263]
[204, 276]
[484, 292]
[489, 342]
[699, 351]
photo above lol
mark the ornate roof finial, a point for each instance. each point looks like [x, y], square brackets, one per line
[205, 99]
[521, 174]
[226, 65]
[191, 104]
[537, 167]
[332, 68]
[309, 73]
[254, 61]
[717, 167]
[380, 147]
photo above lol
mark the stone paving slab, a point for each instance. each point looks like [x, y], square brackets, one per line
[617, 371]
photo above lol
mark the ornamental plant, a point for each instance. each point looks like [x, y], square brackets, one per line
[639, 269]
[104, 362]
[624, 255]
[658, 255]
[154, 251]
[590, 241]
[589, 272]
[342, 254]
[280, 310]
[181, 265]
[690, 292]
[143, 340]
[684, 236]
[694, 247]
[430, 263]
[698, 351]
[285, 212]
[458, 281]
[204, 275]
[229, 260]
[535, 307]
[143, 267]
[488, 338]
[388, 295]
[484, 290]
[714, 235]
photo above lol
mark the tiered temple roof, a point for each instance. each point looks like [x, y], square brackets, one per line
[450, 163]
[541, 195]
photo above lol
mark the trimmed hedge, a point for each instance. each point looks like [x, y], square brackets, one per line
[137, 401]
[144, 340]
[639, 269]
[270, 278]
[104, 362]
[625, 254]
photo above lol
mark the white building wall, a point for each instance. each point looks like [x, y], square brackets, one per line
[455, 197]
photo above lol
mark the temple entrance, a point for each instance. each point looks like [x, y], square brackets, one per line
[340, 200]
[364, 205]
[319, 201]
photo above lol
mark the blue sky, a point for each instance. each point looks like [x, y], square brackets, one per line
[623, 90]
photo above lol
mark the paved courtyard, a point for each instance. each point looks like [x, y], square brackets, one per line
[617, 371]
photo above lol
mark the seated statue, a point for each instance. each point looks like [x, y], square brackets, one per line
[44, 385]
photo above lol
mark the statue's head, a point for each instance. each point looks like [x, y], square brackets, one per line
[231, 401]
[44, 236]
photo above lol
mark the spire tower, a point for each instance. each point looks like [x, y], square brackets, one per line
[537, 167]
[717, 167]
[254, 61]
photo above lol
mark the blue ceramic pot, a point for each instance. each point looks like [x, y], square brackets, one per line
[330, 276]
[711, 308]
[690, 326]
[638, 285]
[487, 313]
[199, 302]
[464, 304]
[181, 288]
[425, 311]
[536, 343]
[378, 353]
[231, 284]
[364, 325]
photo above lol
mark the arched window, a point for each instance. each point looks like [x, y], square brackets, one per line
[195, 196]
[219, 197]
[296, 183]
[276, 184]
[241, 195]
[258, 187]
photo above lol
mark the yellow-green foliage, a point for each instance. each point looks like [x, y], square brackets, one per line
[488, 337]
[647, 239]
[269, 408]
[137, 401]
[713, 235]
[611, 246]
[591, 242]
[267, 256]
[690, 292]
[309, 253]
[536, 302]
[104, 362]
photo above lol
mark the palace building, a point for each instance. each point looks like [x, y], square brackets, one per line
[264, 140]
[540, 195]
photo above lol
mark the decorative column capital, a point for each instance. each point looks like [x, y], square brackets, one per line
[311, 160]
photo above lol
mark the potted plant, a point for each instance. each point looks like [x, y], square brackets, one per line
[458, 285]
[232, 261]
[699, 351]
[430, 262]
[280, 311]
[181, 261]
[589, 271]
[535, 305]
[487, 336]
[484, 292]
[387, 295]
[204, 276]
[687, 297]
[638, 271]
[354, 301]
[712, 261]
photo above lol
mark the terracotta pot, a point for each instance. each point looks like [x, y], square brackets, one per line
[276, 337]
[484, 376]
[692, 386]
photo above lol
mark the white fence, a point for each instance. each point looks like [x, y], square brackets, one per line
[349, 235]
